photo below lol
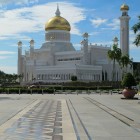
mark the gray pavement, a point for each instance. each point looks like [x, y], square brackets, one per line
[69, 117]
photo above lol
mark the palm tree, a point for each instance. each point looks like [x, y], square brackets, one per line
[136, 29]
[114, 55]
[124, 62]
[1, 77]
[15, 77]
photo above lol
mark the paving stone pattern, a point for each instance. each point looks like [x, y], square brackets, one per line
[69, 117]
[42, 122]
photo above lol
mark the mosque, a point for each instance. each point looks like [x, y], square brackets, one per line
[57, 59]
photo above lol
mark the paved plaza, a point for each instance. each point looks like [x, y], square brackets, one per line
[69, 117]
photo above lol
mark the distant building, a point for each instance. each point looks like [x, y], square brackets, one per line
[57, 60]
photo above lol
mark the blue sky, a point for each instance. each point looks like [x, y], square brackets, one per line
[25, 20]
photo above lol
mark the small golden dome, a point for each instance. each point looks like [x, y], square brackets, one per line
[124, 7]
[57, 23]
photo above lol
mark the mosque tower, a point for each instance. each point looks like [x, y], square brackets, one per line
[124, 29]
[19, 57]
[84, 43]
[31, 47]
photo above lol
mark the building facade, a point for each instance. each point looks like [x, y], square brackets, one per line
[57, 60]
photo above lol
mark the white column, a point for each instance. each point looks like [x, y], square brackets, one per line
[52, 51]
[124, 31]
[19, 57]
[31, 48]
[85, 48]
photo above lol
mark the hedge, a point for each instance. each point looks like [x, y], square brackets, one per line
[51, 89]
[24, 90]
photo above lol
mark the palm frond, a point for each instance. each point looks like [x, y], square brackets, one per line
[137, 40]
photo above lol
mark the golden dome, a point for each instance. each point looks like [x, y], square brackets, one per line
[57, 23]
[124, 7]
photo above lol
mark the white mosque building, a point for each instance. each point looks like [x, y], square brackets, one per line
[57, 60]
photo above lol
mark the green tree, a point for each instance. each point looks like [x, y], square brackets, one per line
[114, 55]
[1, 77]
[124, 62]
[8, 78]
[136, 29]
[1, 73]
[74, 78]
[128, 81]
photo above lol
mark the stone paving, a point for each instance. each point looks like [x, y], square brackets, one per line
[40, 122]
[69, 117]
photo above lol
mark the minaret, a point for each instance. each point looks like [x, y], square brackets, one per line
[31, 48]
[19, 57]
[84, 43]
[124, 29]
[115, 41]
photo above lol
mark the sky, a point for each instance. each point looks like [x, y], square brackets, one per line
[23, 20]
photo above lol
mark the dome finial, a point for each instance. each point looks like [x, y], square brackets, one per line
[124, 7]
[57, 13]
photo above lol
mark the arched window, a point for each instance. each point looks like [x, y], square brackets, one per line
[106, 76]
[27, 76]
[103, 78]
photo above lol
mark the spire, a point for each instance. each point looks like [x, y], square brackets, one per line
[57, 13]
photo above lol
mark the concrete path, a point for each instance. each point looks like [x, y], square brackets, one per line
[69, 117]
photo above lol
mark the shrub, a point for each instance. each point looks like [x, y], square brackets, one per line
[13, 90]
[128, 81]
[73, 78]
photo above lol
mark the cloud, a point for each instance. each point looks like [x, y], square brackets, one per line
[18, 2]
[114, 25]
[104, 43]
[77, 46]
[98, 21]
[32, 19]
[6, 52]
[3, 57]
[8, 69]
[15, 36]
[94, 33]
